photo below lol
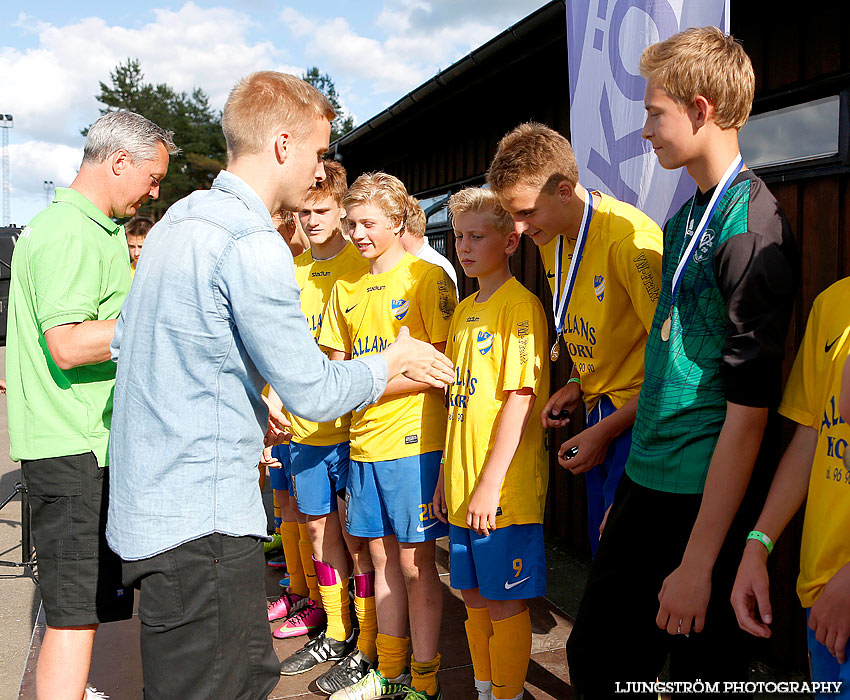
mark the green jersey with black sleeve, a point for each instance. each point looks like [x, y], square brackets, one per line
[727, 340]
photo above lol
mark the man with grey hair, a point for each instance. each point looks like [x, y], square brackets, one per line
[70, 275]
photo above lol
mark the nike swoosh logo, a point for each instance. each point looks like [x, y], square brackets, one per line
[550, 275]
[350, 308]
[419, 528]
[829, 345]
[508, 586]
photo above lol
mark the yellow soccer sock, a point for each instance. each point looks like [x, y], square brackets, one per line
[479, 629]
[368, 620]
[425, 675]
[392, 654]
[335, 602]
[306, 549]
[289, 536]
[510, 651]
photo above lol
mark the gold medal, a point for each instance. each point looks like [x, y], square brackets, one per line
[555, 352]
[665, 328]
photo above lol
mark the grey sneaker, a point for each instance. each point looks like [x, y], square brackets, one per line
[373, 685]
[347, 672]
[316, 651]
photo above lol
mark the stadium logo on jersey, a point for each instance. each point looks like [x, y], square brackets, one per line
[485, 342]
[400, 307]
[599, 286]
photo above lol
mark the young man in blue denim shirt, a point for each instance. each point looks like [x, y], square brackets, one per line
[193, 339]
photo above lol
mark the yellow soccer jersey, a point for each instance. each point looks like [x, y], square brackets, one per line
[497, 347]
[614, 297]
[811, 399]
[316, 279]
[364, 315]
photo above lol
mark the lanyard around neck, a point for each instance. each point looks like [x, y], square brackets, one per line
[722, 186]
[561, 300]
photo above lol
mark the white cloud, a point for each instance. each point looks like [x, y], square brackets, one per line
[348, 56]
[420, 37]
[33, 162]
[50, 89]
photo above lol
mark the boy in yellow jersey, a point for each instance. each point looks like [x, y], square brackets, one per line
[301, 603]
[492, 488]
[814, 468]
[320, 461]
[396, 444]
[603, 265]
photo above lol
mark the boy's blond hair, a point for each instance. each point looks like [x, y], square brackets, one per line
[478, 200]
[416, 220]
[385, 191]
[265, 102]
[535, 156]
[334, 185]
[704, 62]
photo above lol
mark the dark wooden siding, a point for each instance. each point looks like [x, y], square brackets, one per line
[806, 58]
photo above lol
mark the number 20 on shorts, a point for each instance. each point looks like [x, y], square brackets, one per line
[427, 511]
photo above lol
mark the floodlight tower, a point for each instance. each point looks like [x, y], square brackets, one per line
[49, 189]
[6, 123]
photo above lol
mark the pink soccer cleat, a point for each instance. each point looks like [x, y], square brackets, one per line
[284, 606]
[301, 622]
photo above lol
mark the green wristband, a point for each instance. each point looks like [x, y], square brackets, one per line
[574, 379]
[761, 537]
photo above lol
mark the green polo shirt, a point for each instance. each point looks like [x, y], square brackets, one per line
[70, 265]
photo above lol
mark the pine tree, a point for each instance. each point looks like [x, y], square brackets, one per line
[325, 84]
[196, 127]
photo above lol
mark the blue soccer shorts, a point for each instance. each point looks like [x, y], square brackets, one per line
[826, 668]
[507, 564]
[319, 473]
[280, 478]
[394, 497]
[602, 481]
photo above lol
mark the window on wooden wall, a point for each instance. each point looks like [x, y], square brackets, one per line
[797, 137]
[437, 215]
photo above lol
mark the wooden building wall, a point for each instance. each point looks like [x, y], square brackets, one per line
[450, 137]
[796, 61]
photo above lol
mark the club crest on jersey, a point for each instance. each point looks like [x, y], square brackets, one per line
[485, 342]
[599, 286]
[400, 307]
[705, 247]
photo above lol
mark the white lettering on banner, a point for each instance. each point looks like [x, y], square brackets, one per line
[605, 39]
[700, 687]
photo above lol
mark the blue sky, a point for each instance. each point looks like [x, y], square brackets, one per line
[53, 54]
